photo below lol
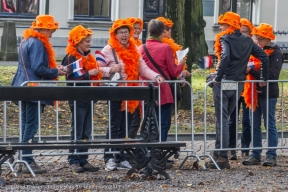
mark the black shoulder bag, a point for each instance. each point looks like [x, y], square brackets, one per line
[178, 92]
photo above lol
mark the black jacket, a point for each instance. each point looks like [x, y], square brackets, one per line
[236, 50]
[275, 66]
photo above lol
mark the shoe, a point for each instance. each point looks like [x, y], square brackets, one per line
[233, 155]
[222, 162]
[123, 165]
[90, 168]
[269, 161]
[75, 167]
[110, 165]
[250, 160]
[170, 161]
[36, 169]
[214, 156]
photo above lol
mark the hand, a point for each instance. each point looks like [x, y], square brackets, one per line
[186, 73]
[159, 79]
[61, 70]
[262, 84]
[183, 84]
[115, 68]
[93, 72]
[248, 69]
[183, 61]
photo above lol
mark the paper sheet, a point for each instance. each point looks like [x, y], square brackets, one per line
[181, 54]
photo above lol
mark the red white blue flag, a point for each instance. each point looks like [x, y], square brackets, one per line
[78, 68]
[206, 62]
[100, 56]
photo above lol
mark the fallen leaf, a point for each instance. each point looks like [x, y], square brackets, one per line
[201, 163]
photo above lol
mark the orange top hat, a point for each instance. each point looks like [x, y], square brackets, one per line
[230, 18]
[77, 34]
[133, 20]
[121, 23]
[167, 22]
[264, 30]
[247, 23]
[45, 22]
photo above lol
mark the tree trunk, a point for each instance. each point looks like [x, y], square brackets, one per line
[188, 31]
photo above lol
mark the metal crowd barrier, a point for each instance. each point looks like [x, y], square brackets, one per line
[280, 132]
[190, 151]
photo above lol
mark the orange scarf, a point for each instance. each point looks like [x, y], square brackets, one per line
[175, 47]
[89, 62]
[48, 46]
[130, 57]
[137, 41]
[247, 93]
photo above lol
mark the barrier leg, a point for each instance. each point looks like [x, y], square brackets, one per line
[193, 156]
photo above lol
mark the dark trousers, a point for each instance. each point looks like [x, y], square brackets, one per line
[135, 124]
[166, 111]
[118, 128]
[83, 129]
[29, 119]
[246, 128]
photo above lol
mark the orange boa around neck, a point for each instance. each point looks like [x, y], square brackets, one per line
[89, 62]
[137, 42]
[130, 57]
[175, 47]
[247, 93]
[48, 46]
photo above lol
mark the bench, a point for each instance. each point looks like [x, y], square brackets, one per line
[137, 149]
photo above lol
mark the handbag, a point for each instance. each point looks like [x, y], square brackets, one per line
[178, 91]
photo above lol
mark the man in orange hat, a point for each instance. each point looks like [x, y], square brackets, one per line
[36, 63]
[233, 50]
[264, 35]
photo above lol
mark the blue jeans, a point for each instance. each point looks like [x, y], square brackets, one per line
[29, 124]
[166, 112]
[83, 131]
[246, 128]
[272, 131]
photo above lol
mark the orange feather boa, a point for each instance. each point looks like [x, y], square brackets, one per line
[48, 46]
[247, 93]
[89, 62]
[175, 47]
[130, 57]
[138, 42]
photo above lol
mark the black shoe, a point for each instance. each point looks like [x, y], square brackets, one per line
[36, 169]
[75, 167]
[269, 161]
[222, 162]
[233, 155]
[250, 160]
[90, 168]
[170, 161]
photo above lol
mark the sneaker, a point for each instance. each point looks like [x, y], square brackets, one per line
[222, 162]
[233, 155]
[123, 165]
[250, 160]
[110, 165]
[75, 167]
[90, 168]
[269, 161]
[36, 169]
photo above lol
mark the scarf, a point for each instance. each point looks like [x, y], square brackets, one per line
[137, 41]
[175, 47]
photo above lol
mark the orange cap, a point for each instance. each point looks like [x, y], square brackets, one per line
[167, 22]
[264, 30]
[133, 20]
[45, 22]
[230, 18]
[77, 34]
[121, 23]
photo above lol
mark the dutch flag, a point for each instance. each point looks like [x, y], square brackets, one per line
[100, 56]
[78, 68]
[206, 61]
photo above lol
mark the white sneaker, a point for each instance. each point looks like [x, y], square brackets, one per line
[110, 165]
[123, 165]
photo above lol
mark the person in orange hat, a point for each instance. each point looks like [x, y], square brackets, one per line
[138, 26]
[123, 57]
[246, 28]
[233, 50]
[78, 49]
[36, 62]
[264, 35]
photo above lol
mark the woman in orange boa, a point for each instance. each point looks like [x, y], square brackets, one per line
[138, 26]
[78, 50]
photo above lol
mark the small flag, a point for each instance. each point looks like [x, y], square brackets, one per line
[100, 56]
[206, 62]
[79, 73]
[77, 65]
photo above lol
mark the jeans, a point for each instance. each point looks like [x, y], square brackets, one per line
[229, 99]
[29, 125]
[118, 128]
[256, 124]
[166, 112]
[246, 128]
[83, 129]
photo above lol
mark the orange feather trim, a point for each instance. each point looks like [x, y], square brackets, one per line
[130, 57]
[137, 42]
[48, 46]
[89, 62]
[175, 47]
[247, 93]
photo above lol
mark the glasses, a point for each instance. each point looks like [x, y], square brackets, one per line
[123, 32]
